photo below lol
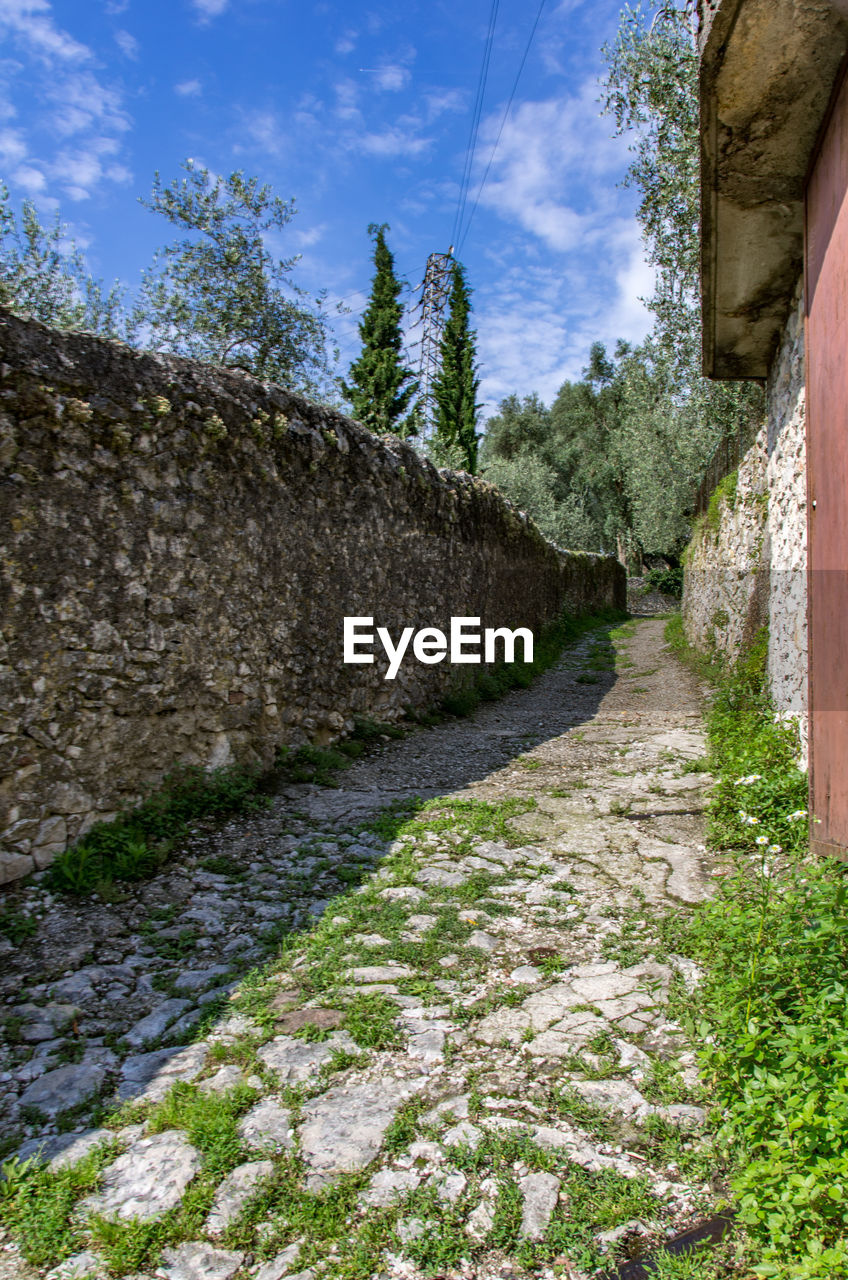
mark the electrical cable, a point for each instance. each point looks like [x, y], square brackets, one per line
[475, 122]
[461, 240]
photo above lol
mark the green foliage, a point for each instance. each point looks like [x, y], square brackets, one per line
[380, 386]
[771, 1012]
[37, 1204]
[669, 582]
[371, 1020]
[755, 758]
[43, 275]
[219, 294]
[136, 843]
[673, 416]
[16, 925]
[455, 388]
[312, 764]
[723, 493]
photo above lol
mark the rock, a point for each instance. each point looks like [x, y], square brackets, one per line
[441, 878]
[150, 1075]
[463, 1133]
[74, 1146]
[426, 1041]
[147, 1180]
[342, 1129]
[44, 1022]
[267, 1125]
[482, 941]
[66, 1087]
[156, 1023]
[407, 1229]
[449, 1185]
[388, 1185]
[482, 1219]
[196, 979]
[403, 893]
[455, 1107]
[197, 1260]
[224, 1078]
[234, 1193]
[63, 1149]
[614, 1095]
[82, 1266]
[295, 1061]
[280, 1267]
[381, 973]
[527, 974]
[683, 1115]
[540, 1192]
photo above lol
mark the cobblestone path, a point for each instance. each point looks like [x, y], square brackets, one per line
[354, 1036]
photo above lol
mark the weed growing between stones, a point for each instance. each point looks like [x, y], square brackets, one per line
[771, 1012]
[136, 844]
[37, 1204]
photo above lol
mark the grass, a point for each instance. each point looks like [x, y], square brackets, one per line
[135, 844]
[771, 1014]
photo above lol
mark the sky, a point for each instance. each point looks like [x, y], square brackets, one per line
[362, 112]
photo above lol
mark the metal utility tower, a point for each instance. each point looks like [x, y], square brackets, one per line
[431, 308]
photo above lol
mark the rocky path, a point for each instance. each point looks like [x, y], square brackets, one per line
[357, 1037]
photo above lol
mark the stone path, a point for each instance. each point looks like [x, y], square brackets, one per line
[351, 1043]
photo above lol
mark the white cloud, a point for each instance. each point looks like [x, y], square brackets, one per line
[208, 9]
[391, 77]
[55, 91]
[306, 239]
[552, 160]
[127, 44]
[261, 129]
[346, 43]
[391, 143]
[31, 20]
[12, 146]
[347, 100]
[30, 179]
[188, 88]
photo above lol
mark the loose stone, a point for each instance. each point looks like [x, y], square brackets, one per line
[147, 1180]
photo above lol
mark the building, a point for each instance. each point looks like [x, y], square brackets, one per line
[774, 137]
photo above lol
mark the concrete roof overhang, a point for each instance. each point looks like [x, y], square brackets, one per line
[768, 71]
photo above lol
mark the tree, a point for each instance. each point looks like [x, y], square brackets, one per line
[219, 294]
[380, 385]
[43, 275]
[673, 418]
[456, 385]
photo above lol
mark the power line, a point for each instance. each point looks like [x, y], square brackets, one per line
[475, 122]
[461, 239]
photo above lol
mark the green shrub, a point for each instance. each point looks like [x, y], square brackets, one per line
[137, 842]
[772, 1010]
[669, 582]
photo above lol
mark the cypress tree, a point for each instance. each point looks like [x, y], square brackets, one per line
[381, 386]
[455, 388]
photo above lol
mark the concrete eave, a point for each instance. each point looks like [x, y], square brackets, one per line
[768, 70]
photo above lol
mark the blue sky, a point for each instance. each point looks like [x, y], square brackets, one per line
[362, 112]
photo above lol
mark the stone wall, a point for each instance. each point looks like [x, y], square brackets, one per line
[751, 569]
[180, 547]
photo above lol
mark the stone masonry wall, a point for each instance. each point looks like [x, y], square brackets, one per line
[752, 570]
[180, 545]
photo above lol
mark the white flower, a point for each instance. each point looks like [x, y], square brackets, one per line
[742, 814]
[751, 821]
[797, 815]
[748, 780]
[762, 839]
[776, 848]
